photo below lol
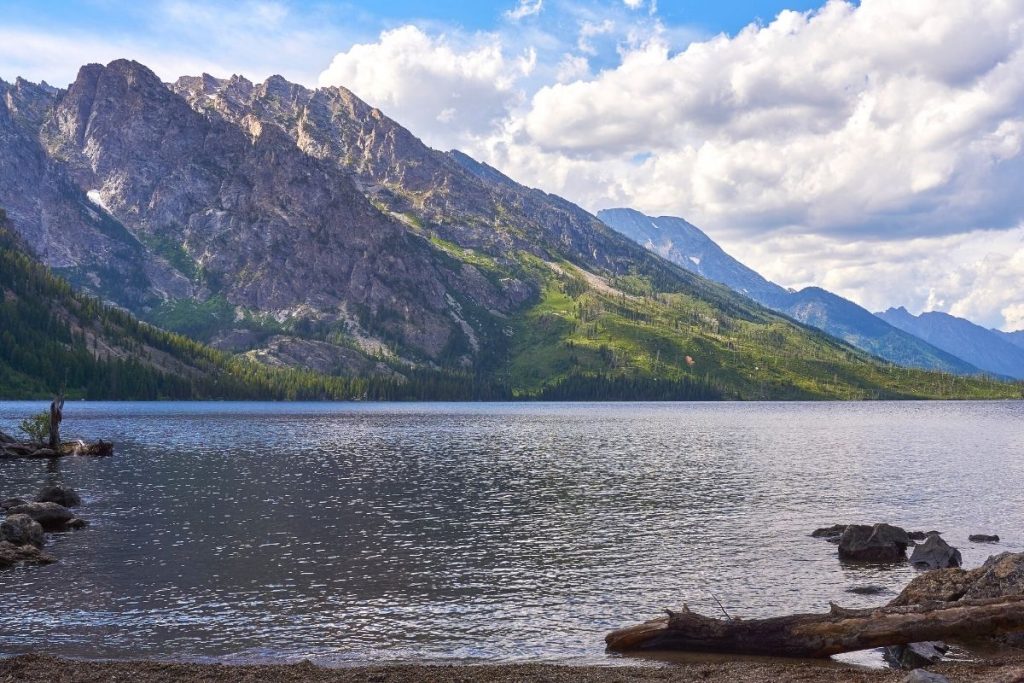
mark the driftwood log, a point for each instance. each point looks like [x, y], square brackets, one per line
[823, 635]
[34, 450]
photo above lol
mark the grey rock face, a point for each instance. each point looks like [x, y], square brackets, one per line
[935, 553]
[21, 530]
[879, 543]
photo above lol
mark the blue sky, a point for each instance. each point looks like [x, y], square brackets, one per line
[842, 143]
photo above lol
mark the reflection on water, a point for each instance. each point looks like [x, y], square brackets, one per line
[359, 532]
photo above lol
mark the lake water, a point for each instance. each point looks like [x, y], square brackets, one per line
[355, 533]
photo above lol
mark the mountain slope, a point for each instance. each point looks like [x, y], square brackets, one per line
[1015, 338]
[689, 247]
[313, 231]
[984, 348]
[53, 337]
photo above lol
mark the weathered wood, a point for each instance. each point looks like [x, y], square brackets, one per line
[27, 450]
[56, 415]
[823, 635]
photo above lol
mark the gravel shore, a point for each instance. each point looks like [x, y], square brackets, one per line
[57, 670]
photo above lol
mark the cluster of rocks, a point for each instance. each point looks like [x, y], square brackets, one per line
[887, 544]
[945, 581]
[22, 531]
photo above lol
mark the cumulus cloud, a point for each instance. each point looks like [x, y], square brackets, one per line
[524, 9]
[875, 148]
[442, 91]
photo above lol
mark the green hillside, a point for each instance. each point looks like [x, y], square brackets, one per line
[621, 329]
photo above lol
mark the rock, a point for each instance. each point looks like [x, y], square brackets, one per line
[867, 590]
[935, 553]
[1000, 576]
[916, 655]
[51, 516]
[829, 532]
[11, 554]
[878, 543]
[60, 495]
[922, 676]
[76, 524]
[21, 530]
[938, 585]
[922, 535]
[11, 502]
[983, 538]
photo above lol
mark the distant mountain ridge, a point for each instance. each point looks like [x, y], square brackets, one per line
[989, 350]
[688, 246]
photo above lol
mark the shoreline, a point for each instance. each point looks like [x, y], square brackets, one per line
[43, 667]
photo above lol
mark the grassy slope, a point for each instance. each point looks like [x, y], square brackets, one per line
[626, 330]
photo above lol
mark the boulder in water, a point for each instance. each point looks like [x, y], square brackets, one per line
[51, 516]
[11, 554]
[935, 553]
[830, 533]
[983, 538]
[11, 502]
[938, 585]
[60, 495]
[21, 530]
[882, 543]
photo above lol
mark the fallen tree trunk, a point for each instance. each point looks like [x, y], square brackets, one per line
[823, 635]
[33, 450]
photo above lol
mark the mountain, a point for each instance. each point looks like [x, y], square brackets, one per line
[686, 245]
[1015, 338]
[987, 349]
[52, 337]
[303, 228]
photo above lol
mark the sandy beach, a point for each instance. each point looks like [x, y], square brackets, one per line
[57, 670]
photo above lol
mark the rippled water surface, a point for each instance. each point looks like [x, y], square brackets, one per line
[385, 532]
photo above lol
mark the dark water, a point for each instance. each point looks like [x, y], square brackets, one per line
[382, 532]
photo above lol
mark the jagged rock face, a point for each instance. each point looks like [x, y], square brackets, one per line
[57, 220]
[267, 225]
[460, 199]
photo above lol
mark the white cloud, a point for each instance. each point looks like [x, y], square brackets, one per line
[443, 90]
[975, 275]
[524, 9]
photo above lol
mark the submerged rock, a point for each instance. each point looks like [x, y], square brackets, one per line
[11, 502]
[868, 590]
[935, 553]
[983, 538]
[60, 495]
[830, 533]
[879, 543]
[21, 530]
[51, 516]
[916, 655]
[11, 554]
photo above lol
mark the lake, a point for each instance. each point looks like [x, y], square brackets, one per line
[357, 533]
